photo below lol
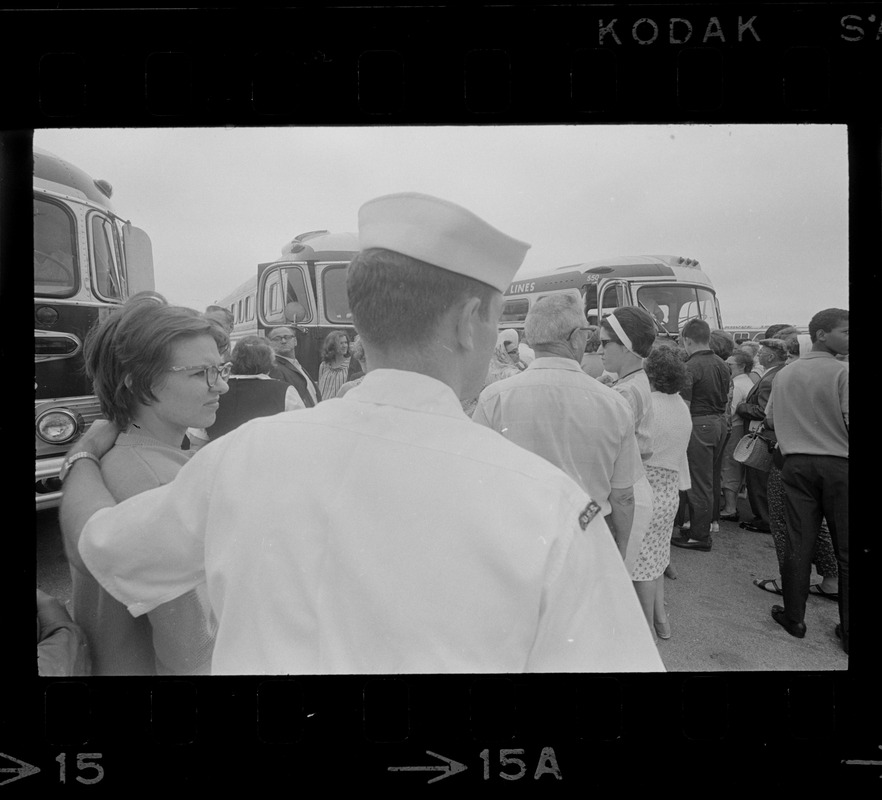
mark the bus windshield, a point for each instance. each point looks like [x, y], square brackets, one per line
[55, 263]
[673, 306]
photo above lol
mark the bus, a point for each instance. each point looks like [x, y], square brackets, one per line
[673, 289]
[87, 261]
[305, 288]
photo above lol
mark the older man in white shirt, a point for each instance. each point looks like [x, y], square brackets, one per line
[387, 533]
[572, 420]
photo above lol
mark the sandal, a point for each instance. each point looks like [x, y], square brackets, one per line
[769, 585]
[816, 589]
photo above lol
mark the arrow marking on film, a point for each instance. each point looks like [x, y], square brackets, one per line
[24, 769]
[450, 768]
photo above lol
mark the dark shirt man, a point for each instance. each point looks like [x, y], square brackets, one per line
[287, 368]
[707, 395]
[808, 408]
[772, 356]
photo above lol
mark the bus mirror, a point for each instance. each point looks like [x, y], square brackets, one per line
[295, 312]
[139, 260]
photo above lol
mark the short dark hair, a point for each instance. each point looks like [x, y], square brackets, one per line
[637, 324]
[395, 298]
[697, 330]
[772, 330]
[128, 351]
[253, 355]
[666, 370]
[826, 320]
[722, 343]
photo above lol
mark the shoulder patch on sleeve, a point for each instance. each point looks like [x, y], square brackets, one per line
[590, 512]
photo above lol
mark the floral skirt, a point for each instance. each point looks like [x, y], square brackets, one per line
[655, 551]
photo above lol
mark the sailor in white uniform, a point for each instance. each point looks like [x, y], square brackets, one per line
[382, 532]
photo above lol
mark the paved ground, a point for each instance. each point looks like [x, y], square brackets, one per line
[720, 620]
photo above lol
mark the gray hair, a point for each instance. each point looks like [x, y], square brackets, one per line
[553, 317]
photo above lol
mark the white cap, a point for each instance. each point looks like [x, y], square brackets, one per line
[443, 234]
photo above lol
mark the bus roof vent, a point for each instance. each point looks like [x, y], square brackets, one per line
[687, 262]
[104, 187]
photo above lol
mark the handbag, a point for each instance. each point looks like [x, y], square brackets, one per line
[755, 451]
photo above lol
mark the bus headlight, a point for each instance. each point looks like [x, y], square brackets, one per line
[58, 425]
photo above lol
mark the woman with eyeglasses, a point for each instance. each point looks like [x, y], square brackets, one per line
[157, 371]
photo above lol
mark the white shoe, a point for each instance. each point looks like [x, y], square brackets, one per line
[715, 527]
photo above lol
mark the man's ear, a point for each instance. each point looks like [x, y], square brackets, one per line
[466, 318]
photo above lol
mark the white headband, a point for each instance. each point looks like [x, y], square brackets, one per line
[620, 332]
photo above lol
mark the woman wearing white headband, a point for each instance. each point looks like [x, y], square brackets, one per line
[626, 338]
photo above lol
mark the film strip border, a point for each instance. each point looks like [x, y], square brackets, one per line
[574, 730]
[636, 63]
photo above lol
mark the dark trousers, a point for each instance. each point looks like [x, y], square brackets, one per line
[757, 495]
[704, 451]
[815, 487]
[718, 478]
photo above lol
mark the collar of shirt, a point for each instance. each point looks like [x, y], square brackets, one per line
[409, 390]
[260, 377]
[700, 353]
[554, 362]
[817, 354]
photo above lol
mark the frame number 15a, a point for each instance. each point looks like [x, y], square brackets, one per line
[513, 768]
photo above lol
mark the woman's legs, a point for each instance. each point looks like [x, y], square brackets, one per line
[660, 615]
[646, 595]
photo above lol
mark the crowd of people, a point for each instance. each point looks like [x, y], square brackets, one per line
[441, 496]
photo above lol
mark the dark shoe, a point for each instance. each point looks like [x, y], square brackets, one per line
[748, 526]
[693, 544]
[796, 629]
[730, 517]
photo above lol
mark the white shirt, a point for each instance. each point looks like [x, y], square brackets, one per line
[555, 410]
[381, 532]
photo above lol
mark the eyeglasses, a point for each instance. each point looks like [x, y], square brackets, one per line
[282, 338]
[512, 352]
[212, 371]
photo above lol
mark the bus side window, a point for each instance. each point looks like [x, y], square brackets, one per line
[108, 281]
[336, 301]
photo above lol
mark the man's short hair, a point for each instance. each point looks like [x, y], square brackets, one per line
[253, 355]
[552, 318]
[127, 353]
[697, 330]
[397, 300]
[223, 315]
[272, 330]
[826, 320]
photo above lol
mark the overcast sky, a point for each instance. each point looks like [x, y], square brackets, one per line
[763, 208]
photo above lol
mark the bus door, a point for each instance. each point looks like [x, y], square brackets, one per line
[604, 297]
[285, 298]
